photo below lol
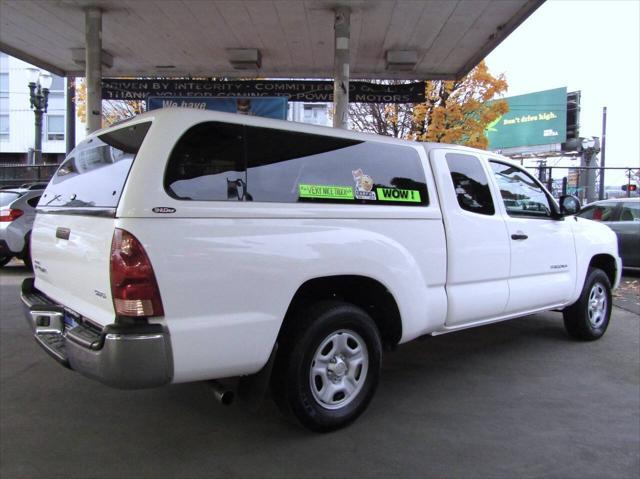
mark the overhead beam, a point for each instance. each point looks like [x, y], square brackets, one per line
[502, 32]
[25, 57]
[79, 57]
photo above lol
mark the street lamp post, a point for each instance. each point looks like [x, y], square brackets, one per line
[39, 84]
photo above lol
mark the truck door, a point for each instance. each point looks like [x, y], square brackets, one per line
[477, 241]
[543, 258]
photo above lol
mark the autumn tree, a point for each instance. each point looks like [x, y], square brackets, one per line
[112, 110]
[390, 119]
[455, 111]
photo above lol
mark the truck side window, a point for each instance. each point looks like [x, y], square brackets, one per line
[521, 194]
[215, 161]
[207, 163]
[470, 183]
[378, 173]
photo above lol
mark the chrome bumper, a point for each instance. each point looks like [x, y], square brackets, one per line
[121, 356]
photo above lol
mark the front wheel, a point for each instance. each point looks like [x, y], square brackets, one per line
[328, 368]
[588, 318]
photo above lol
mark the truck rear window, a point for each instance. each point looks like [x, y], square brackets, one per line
[94, 173]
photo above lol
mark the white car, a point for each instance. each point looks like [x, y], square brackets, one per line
[187, 245]
[17, 212]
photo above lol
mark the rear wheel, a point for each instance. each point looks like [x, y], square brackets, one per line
[328, 368]
[588, 318]
[26, 252]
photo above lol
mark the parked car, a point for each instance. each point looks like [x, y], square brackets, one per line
[17, 212]
[188, 245]
[34, 186]
[622, 215]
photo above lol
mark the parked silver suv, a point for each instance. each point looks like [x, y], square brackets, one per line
[17, 212]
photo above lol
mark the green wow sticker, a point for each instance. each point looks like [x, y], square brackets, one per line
[326, 192]
[395, 194]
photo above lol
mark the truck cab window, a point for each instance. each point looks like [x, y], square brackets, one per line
[470, 183]
[521, 194]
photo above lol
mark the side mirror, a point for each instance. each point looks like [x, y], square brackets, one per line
[569, 205]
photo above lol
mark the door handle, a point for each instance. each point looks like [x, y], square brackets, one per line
[519, 236]
[63, 233]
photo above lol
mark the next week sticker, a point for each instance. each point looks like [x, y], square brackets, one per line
[326, 192]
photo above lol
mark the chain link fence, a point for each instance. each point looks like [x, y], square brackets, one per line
[17, 175]
[584, 181]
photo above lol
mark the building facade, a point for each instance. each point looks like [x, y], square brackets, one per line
[17, 120]
[314, 113]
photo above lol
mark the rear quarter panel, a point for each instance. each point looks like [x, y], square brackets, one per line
[227, 271]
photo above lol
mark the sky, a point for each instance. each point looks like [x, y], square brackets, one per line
[587, 45]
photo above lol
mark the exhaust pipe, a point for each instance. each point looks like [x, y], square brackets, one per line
[222, 393]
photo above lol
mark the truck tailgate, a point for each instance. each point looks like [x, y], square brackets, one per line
[71, 262]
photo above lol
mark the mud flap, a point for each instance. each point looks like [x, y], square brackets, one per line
[252, 389]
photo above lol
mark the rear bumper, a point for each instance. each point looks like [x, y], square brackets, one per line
[121, 356]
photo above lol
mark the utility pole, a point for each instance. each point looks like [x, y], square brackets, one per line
[587, 181]
[603, 144]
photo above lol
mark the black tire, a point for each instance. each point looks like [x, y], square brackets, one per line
[4, 260]
[343, 325]
[26, 252]
[588, 318]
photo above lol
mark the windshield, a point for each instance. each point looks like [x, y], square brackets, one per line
[95, 172]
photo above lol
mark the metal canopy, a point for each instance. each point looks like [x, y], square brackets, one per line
[400, 39]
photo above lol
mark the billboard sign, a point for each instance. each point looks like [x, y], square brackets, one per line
[293, 90]
[533, 119]
[268, 107]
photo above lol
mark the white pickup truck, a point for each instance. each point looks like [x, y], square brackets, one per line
[187, 245]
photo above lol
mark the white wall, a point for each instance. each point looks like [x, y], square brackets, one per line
[315, 113]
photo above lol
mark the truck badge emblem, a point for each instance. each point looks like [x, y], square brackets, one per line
[163, 209]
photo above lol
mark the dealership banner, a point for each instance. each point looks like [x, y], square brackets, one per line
[268, 107]
[533, 119]
[293, 90]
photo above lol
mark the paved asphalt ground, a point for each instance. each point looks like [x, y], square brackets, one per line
[515, 400]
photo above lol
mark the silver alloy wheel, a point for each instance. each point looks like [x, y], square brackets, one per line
[339, 369]
[597, 305]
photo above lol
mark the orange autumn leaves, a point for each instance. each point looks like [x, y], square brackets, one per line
[459, 111]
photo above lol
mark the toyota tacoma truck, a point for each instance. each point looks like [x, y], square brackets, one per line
[186, 245]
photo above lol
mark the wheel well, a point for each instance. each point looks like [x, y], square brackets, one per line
[606, 263]
[364, 292]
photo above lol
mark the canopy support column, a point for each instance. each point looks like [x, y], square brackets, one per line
[341, 68]
[70, 130]
[93, 68]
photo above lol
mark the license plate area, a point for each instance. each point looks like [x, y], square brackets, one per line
[71, 319]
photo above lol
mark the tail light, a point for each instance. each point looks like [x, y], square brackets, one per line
[133, 284]
[10, 215]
